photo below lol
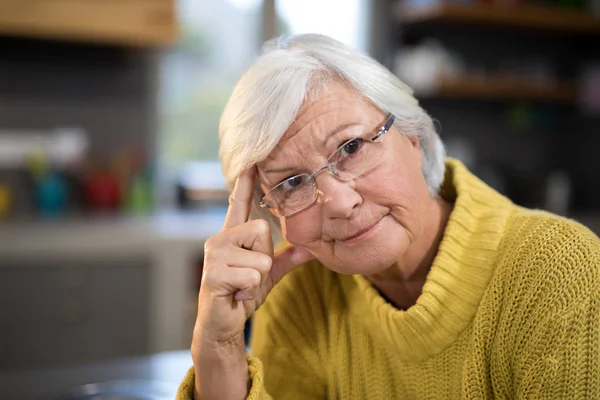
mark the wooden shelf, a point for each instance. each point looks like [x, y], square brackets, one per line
[529, 17]
[503, 89]
[208, 194]
[138, 23]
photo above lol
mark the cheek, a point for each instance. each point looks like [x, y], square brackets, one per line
[302, 229]
[393, 187]
[402, 178]
[401, 187]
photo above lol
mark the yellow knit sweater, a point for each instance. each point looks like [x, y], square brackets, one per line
[510, 310]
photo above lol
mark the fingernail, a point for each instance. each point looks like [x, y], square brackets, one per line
[239, 296]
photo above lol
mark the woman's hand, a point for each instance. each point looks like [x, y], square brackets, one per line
[239, 267]
[239, 272]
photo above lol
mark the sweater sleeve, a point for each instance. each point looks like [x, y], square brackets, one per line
[563, 361]
[560, 353]
[186, 388]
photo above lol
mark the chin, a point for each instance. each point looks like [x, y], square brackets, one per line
[374, 254]
[367, 268]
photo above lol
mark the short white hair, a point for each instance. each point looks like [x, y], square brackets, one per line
[294, 69]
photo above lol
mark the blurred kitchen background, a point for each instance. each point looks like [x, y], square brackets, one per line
[109, 172]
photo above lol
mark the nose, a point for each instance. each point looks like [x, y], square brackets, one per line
[338, 198]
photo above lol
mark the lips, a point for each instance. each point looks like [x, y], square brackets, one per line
[358, 233]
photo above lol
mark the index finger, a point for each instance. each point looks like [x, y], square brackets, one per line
[240, 199]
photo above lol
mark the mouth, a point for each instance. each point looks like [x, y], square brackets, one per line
[360, 234]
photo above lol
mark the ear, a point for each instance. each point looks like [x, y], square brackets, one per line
[415, 142]
[416, 150]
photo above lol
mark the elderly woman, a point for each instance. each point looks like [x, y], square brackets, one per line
[401, 274]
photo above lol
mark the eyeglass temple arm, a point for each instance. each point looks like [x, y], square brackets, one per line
[385, 128]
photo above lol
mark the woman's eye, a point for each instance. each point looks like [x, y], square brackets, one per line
[293, 182]
[351, 146]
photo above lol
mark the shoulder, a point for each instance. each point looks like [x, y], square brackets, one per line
[551, 260]
[547, 279]
[559, 241]
[545, 299]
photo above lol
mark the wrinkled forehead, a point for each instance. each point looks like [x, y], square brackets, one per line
[336, 109]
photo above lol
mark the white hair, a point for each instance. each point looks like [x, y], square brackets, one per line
[291, 70]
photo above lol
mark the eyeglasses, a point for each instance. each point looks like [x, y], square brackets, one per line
[352, 159]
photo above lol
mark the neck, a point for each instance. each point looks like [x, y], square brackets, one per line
[403, 282]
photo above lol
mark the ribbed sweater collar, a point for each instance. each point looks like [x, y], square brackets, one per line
[459, 275]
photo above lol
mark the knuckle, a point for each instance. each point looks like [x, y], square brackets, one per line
[266, 262]
[213, 256]
[237, 199]
[217, 254]
[209, 244]
[209, 279]
[262, 226]
[254, 278]
[232, 200]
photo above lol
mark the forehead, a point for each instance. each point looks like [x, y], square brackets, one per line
[334, 106]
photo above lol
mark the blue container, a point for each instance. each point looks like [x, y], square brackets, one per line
[52, 195]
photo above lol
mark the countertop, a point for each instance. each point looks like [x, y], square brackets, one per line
[172, 242]
[109, 235]
[159, 374]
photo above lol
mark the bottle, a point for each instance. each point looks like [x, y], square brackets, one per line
[558, 192]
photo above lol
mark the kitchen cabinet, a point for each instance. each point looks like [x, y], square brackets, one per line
[83, 290]
[118, 22]
[69, 310]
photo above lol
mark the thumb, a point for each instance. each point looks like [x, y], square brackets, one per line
[287, 260]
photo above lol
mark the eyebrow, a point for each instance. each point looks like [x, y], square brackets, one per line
[329, 135]
[339, 129]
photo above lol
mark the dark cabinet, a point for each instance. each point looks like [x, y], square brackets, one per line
[73, 310]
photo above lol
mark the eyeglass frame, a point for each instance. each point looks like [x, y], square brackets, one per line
[385, 128]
